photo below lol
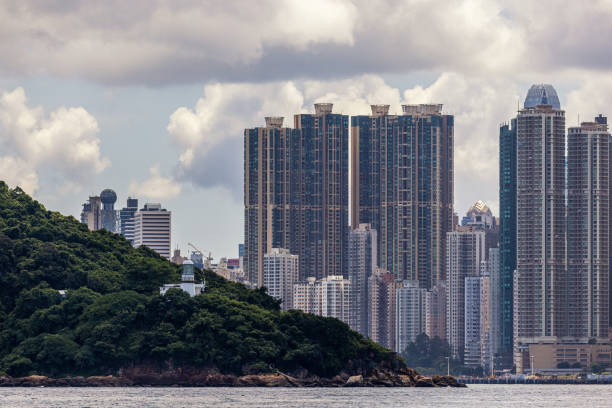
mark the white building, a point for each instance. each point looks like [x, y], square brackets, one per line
[335, 297]
[465, 253]
[305, 296]
[329, 297]
[187, 282]
[410, 313]
[280, 273]
[152, 226]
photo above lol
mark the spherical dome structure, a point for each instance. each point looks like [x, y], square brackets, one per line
[108, 196]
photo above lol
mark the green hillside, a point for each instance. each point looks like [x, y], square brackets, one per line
[113, 317]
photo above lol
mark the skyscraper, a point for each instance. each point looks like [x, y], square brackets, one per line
[296, 193]
[402, 173]
[465, 253]
[472, 321]
[152, 228]
[542, 307]
[588, 271]
[495, 289]
[271, 194]
[92, 213]
[435, 311]
[126, 218]
[382, 286]
[323, 192]
[507, 237]
[409, 313]
[361, 265]
[280, 274]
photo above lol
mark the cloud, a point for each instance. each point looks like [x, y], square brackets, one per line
[211, 133]
[156, 187]
[164, 42]
[16, 172]
[65, 140]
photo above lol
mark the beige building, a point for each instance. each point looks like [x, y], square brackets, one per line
[381, 307]
[435, 311]
[548, 356]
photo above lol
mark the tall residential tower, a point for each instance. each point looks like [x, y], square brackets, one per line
[588, 230]
[542, 284]
[402, 174]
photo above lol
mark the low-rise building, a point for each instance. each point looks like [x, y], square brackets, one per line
[549, 356]
[187, 283]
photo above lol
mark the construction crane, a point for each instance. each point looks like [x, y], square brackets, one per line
[207, 260]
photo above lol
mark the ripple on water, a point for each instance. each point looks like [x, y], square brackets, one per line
[475, 396]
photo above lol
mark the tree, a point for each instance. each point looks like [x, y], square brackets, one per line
[597, 368]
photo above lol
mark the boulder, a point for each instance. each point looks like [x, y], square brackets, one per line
[354, 381]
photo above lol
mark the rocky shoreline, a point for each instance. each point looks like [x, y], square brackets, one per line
[376, 378]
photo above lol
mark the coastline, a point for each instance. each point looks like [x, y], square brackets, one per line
[377, 378]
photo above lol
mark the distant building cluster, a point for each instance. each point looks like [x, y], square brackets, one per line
[150, 225]
[514, 291]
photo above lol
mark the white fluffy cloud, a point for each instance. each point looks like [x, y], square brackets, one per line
[16, 172]
[65, 140]
[156, 187]
[164, 41]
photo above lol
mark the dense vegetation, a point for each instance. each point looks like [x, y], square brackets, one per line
[113, 317]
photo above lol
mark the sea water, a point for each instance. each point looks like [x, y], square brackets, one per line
[475, 396]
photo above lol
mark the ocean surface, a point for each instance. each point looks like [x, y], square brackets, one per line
[476, 396]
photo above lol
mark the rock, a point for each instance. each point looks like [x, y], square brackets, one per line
[424, 382]
[354, 381]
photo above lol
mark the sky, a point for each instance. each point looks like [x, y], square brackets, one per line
[150, 98]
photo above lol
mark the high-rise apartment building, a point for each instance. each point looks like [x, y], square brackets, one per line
[92, 213]
[280, 273]
[495, 320]
[588, 268]
[409, 313]
[382, 286]
[305, 296]
[507, 238]
[465, 253]
[324, 188]
[328, 297]
[296, 193]
[271, 194]
[472, 314]
[435, 311]
[335, 297]
[126, 218]
[542, 293]
[361, 265]
[402, 184]
[152, 228]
